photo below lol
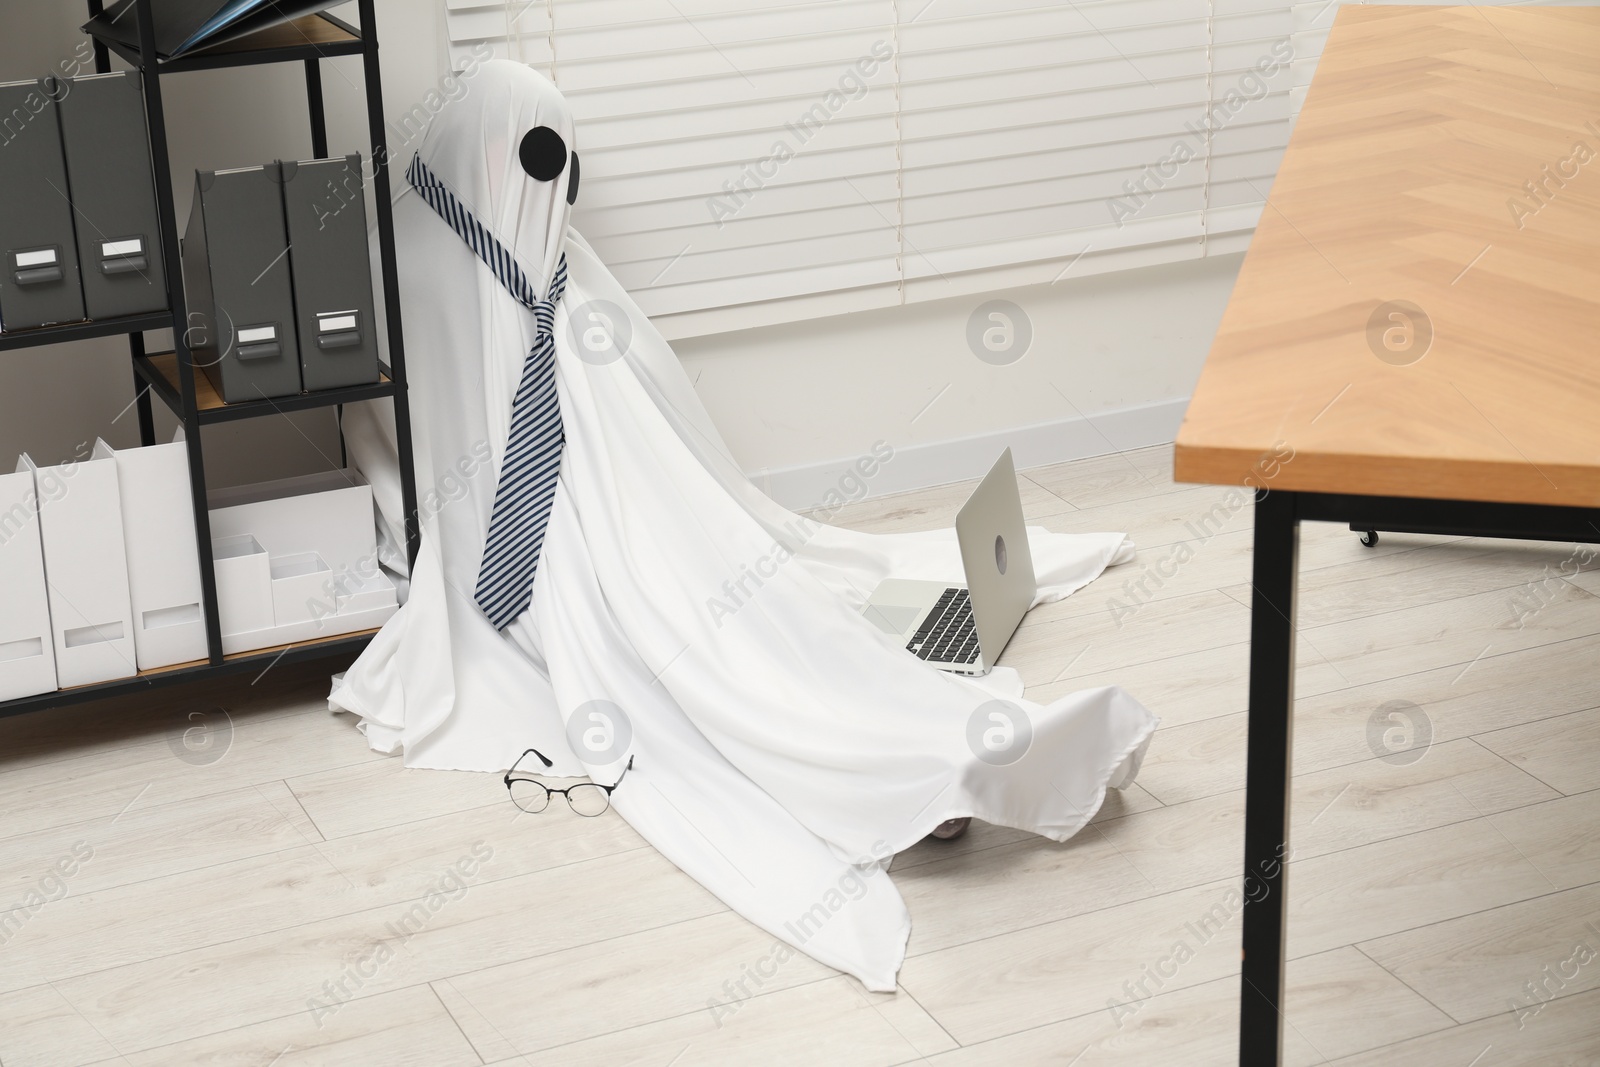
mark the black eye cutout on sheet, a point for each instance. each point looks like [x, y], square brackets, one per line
[543, 154]
[572, 184]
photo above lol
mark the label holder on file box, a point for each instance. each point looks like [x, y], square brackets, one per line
[123, 256]
[338, 329]
[35, 265]
[258, 342]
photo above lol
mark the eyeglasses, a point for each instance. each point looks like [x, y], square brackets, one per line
[588, 799]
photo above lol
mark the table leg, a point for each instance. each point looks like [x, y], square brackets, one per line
[1270, 750]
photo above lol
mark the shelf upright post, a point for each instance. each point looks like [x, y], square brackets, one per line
[391, 277]
[102, 54]
[166, 211]
[319, 114]
[147, 418]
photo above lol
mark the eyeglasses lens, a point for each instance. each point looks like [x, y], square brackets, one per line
[531, 797]
[588, 800]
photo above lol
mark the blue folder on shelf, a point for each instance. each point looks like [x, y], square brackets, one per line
[182, 26]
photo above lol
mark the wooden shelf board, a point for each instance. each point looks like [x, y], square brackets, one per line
[194, 670]
[274, 649]
[205, 393]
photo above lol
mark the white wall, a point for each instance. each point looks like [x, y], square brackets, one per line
[794, 401]
[1111, 364]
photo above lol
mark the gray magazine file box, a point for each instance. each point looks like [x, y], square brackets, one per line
[38, 251]
[108, 164]
[236, 276]
[326, 210]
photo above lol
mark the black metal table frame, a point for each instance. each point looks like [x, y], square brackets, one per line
[1270, 747]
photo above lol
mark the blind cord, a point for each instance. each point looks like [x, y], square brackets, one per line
[1211, 107]
[899, 159]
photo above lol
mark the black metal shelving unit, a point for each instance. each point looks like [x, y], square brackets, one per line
[171, 376]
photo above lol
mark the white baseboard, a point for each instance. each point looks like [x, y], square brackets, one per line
[920, 466]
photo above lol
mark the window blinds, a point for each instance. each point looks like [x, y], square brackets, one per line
[758, 161]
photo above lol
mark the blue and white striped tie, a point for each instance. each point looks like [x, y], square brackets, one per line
[533, 448]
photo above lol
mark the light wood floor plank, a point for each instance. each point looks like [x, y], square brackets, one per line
[104, 785]
[1363, 588]
[161, 714]
[1514, 958]
[1562, 1035]
[1434, 636]
[283, 801]
[1166, 627]
[152, 842]
[1561, 838]
[373, 795]
[1466, 699]
[1071, 967]
[1108, 479]
[1332, 810]
[832, 1021]
[1014, 887]
[405, 1028]
[1205, 758]
[277, 891]
[1155, 574]
[1382, 888]
[719, 961]
[1560, 752]
[1199, 1025]
[1187, 513]
[1184, 687]
[490, 1044]
[40, 1029]
[193, 993]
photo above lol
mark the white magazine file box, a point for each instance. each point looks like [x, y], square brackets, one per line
[244, 584]
[85, 567]
[163, 567]
[27, 651]
[297, 560]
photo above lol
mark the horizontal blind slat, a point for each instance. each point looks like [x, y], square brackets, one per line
[751, 160]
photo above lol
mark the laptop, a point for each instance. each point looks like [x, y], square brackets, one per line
[964, 628]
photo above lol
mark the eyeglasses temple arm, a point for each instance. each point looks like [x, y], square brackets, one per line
[542, 759]
[621, 776]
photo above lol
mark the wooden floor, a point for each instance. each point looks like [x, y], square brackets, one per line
[273, 893]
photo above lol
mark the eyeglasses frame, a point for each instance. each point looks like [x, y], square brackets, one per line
[563, 793]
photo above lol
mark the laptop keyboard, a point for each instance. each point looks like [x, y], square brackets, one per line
[948, 634]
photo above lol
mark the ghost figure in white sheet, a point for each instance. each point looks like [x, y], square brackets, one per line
[783, 747]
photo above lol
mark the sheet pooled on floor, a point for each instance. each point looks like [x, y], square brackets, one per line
[784, 748]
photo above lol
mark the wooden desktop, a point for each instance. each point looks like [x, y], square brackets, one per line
[1411, 344]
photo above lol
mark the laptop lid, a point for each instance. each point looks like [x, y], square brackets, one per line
[995, 553]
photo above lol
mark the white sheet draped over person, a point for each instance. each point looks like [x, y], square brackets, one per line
[784, 748]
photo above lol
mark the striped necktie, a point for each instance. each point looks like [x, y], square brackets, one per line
[532, 458]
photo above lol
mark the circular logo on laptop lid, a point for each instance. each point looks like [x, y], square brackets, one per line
[1000, 553]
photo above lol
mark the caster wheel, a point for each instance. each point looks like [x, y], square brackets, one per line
[950, 829]
[1369, 538]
